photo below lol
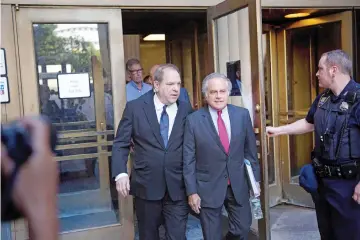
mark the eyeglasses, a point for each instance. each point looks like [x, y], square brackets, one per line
[136, 71]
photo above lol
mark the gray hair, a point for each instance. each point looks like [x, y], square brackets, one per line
[340, 59]
[131, 62]
[159, 72]
[206, 80]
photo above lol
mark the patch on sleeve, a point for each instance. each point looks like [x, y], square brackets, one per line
[323, 100]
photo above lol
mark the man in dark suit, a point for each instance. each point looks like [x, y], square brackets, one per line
[184, 96]
[155, 122]
[217, 139]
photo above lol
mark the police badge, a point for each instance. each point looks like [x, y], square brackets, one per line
[344, 106]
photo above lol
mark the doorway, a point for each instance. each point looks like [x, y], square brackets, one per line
[68, 75]
[300, 45]
[86, 145]
[357, 45]
[169, 36]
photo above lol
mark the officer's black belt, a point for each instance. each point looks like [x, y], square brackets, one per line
[345, 171]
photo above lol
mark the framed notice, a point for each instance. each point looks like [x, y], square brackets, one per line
[4, 90]
[73, 85]
[3, 66]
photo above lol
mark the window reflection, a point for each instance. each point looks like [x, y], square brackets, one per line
[86, 196]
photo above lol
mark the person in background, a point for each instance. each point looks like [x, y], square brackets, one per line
[184, 96]
[136, 87]
[152, 72]
[238, 78]
[147, 80]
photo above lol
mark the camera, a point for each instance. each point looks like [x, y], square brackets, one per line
[17, 141]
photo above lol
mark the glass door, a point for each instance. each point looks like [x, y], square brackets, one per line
[71, 65]
[235, 49]
[300, 46]
[357, 44]
[183, 51]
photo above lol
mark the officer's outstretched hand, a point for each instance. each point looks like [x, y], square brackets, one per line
[356, 195]
[273, 131]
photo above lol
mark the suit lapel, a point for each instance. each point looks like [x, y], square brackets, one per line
[212, 128]
[150, 112]
[177, 123]
[235, 124]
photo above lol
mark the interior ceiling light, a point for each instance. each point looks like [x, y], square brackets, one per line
[154, 37]
[297, 15]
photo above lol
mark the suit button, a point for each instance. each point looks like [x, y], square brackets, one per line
[225, 176]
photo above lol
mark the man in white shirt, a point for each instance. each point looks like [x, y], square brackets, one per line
[155, 123]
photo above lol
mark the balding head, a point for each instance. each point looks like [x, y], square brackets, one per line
[152, 73]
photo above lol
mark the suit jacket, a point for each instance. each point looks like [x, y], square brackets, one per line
[155, 168]
[184, 96]
[207, 167]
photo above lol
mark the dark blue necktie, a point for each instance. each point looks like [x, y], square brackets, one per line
[164, 126]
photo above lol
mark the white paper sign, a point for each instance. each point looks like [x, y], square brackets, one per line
[74, 85]
[3, 70]
[4, 90]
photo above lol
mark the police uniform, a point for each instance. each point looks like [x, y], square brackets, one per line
[336, 159]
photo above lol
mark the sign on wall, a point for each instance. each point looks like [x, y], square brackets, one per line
[4, 83]
[4, 90]
[73, 85]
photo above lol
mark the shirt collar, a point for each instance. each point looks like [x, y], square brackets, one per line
[214, 111]
[159, 105]
[135, 86]
[350, 86]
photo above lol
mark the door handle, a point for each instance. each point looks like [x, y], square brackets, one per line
[103, 129]
[257, 108]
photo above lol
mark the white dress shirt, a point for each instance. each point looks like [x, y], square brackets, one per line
[224, 116]
[171, 110]
[226, 119]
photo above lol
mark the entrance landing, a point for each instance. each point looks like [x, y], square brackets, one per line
[287, 222]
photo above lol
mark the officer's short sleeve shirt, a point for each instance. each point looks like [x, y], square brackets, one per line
[355, 113]
[310, 116]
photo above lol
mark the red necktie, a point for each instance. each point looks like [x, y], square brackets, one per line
[224, 138]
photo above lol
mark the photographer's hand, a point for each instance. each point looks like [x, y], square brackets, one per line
[35, 188]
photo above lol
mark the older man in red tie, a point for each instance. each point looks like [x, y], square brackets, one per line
[217, 139]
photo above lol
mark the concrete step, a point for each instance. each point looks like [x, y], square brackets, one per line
[91, 220]
[193, 230]
[84, 202]
[287, 222]
[291, 223]
[85, 209]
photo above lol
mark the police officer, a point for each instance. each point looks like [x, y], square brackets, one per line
[335, 118]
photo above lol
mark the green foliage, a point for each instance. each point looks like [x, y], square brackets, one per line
[52, 49]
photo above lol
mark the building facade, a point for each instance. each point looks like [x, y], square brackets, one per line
[66, 59]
